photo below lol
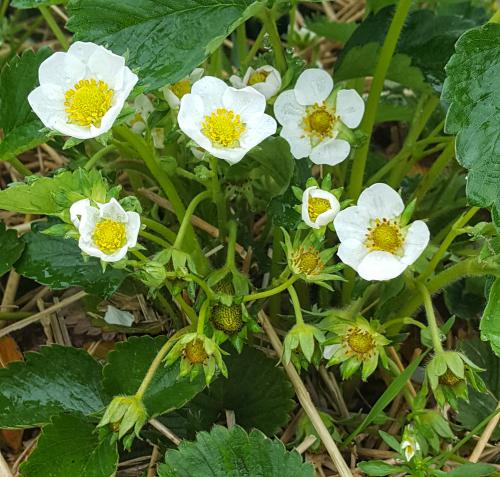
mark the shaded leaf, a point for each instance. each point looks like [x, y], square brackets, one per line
[337, 31]
[34, 3]
[11, 248]
[53, 381]
[378, 467]
[490, 322]
[69, 446]
[477, 470]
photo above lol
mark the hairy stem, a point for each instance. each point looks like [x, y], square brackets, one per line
[51, 21]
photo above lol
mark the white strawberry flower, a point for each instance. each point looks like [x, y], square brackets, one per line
[266, 80]
[173, 93]
[82, 91]
[319, 207]
[312, 120]
[373, 240]
[143, 108]
[106, 231]
[225, 121]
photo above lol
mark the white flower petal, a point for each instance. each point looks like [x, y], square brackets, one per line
[271, 85]
[231, 155]
[93, 251]
[300, 145]
[171, 98]
[62, 70]
[313, 86]
[247, 102]
[47, 102]
[416, 241]
[352, 252]
[350, 107]
[190, 117]
[236, 82]
[286, 109]
[211, 90]
[133, 227]
[381, 201]
[352, 223]
[88, 221]
[326, 217]
[83, 50]
[113, 210]
[77, 209]
[258, 130]
[379, 265]
[106, 66]
[331, 152]
[130, 79]
[196, 75]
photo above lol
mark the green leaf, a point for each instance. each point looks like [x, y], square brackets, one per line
[69, 446]
[22, 4]
[337, 31]
[268, 394]
[58, 263]
[22, 129]
[53, 381]
[164, 40]
[490, 322]
[11, 248]
[472, 88]
[465, 298]
[378, 467]
[477, 470]
[127, 366]
[224, 452]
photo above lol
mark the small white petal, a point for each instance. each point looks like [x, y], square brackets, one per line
[331, 152]
[324, 218]
[300, 145]
[171, 98]
[286, 109]
[190, 118]
[133, 227]
[236, 82]
[352, 223]
[313, 86]
[196, 75]
[352, 252]
[416, 241]
[381, 201]
[350, 107]
[113, 210]
[77, 209]
[271, 85]
[211, 90]
[247, 102]
[257, 130]
[61, 69]
[379, 265]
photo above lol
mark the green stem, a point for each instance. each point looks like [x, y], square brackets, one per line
[270, 25]
[348, 285]
[431, 318]
[159, 228]
[202, 284]
[241, 42]
[98, 155]
[157, 361]
[186, 221]
[182, 304]
[51, 21]
[218, 198]
[274, 303]
[20, 167]
[231, 244]
[154, 238]
[200, 327]
[359, 164]
[3, 9]
[271, 291]
[452, 234]
[296, 305]
[14, 315]
[253, 51]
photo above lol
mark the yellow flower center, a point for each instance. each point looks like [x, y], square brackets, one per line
[87, 102]
[223, 127]
[258, 77]
[109, 236]
[316, 206]
[195, 352]
[360, 342]
[308, 262]
[318, 121]
[385, 235]
[449, 378]
[181, 88]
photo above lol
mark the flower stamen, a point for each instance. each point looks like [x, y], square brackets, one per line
[308, 262]
[360, 343]
[317, 206]
[385, 236]
[224, 128]
[258, 77]
[318, 121]
[181, 88]
[109, 236]
[87, 102]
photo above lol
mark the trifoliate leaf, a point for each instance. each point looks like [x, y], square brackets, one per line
[224, 452]
[127, 366]
[58, 263]
[11, 248]
[472, 88]
[165, 40]
[70, 446]
[53, 381]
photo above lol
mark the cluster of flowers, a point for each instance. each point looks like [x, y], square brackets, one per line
[83, 91]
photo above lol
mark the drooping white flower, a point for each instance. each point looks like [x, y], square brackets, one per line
[225, 121]
[373, 241]
[82, 91]
[106, 231]
[311, 120]
[409, 445]
[319, 207]
[266, 80]
[143, 108]
[173, 93]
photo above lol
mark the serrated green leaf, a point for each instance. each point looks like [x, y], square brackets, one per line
[224, 452]
[164, 40]
[490, 322]
[127, 366]
[477, 470]
[53, 381]
[472, 88]
[69, 446]
[58, 263]
[268, 394]
[11, 248]
[379, 467]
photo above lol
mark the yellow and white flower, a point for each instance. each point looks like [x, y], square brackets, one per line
[373, 240]
[319, 207]
[143, 108]
[82, 91]
[173, 93]
[266, 80]
[225, 121]
[106, 231]
[312, 117]
[409, 445]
